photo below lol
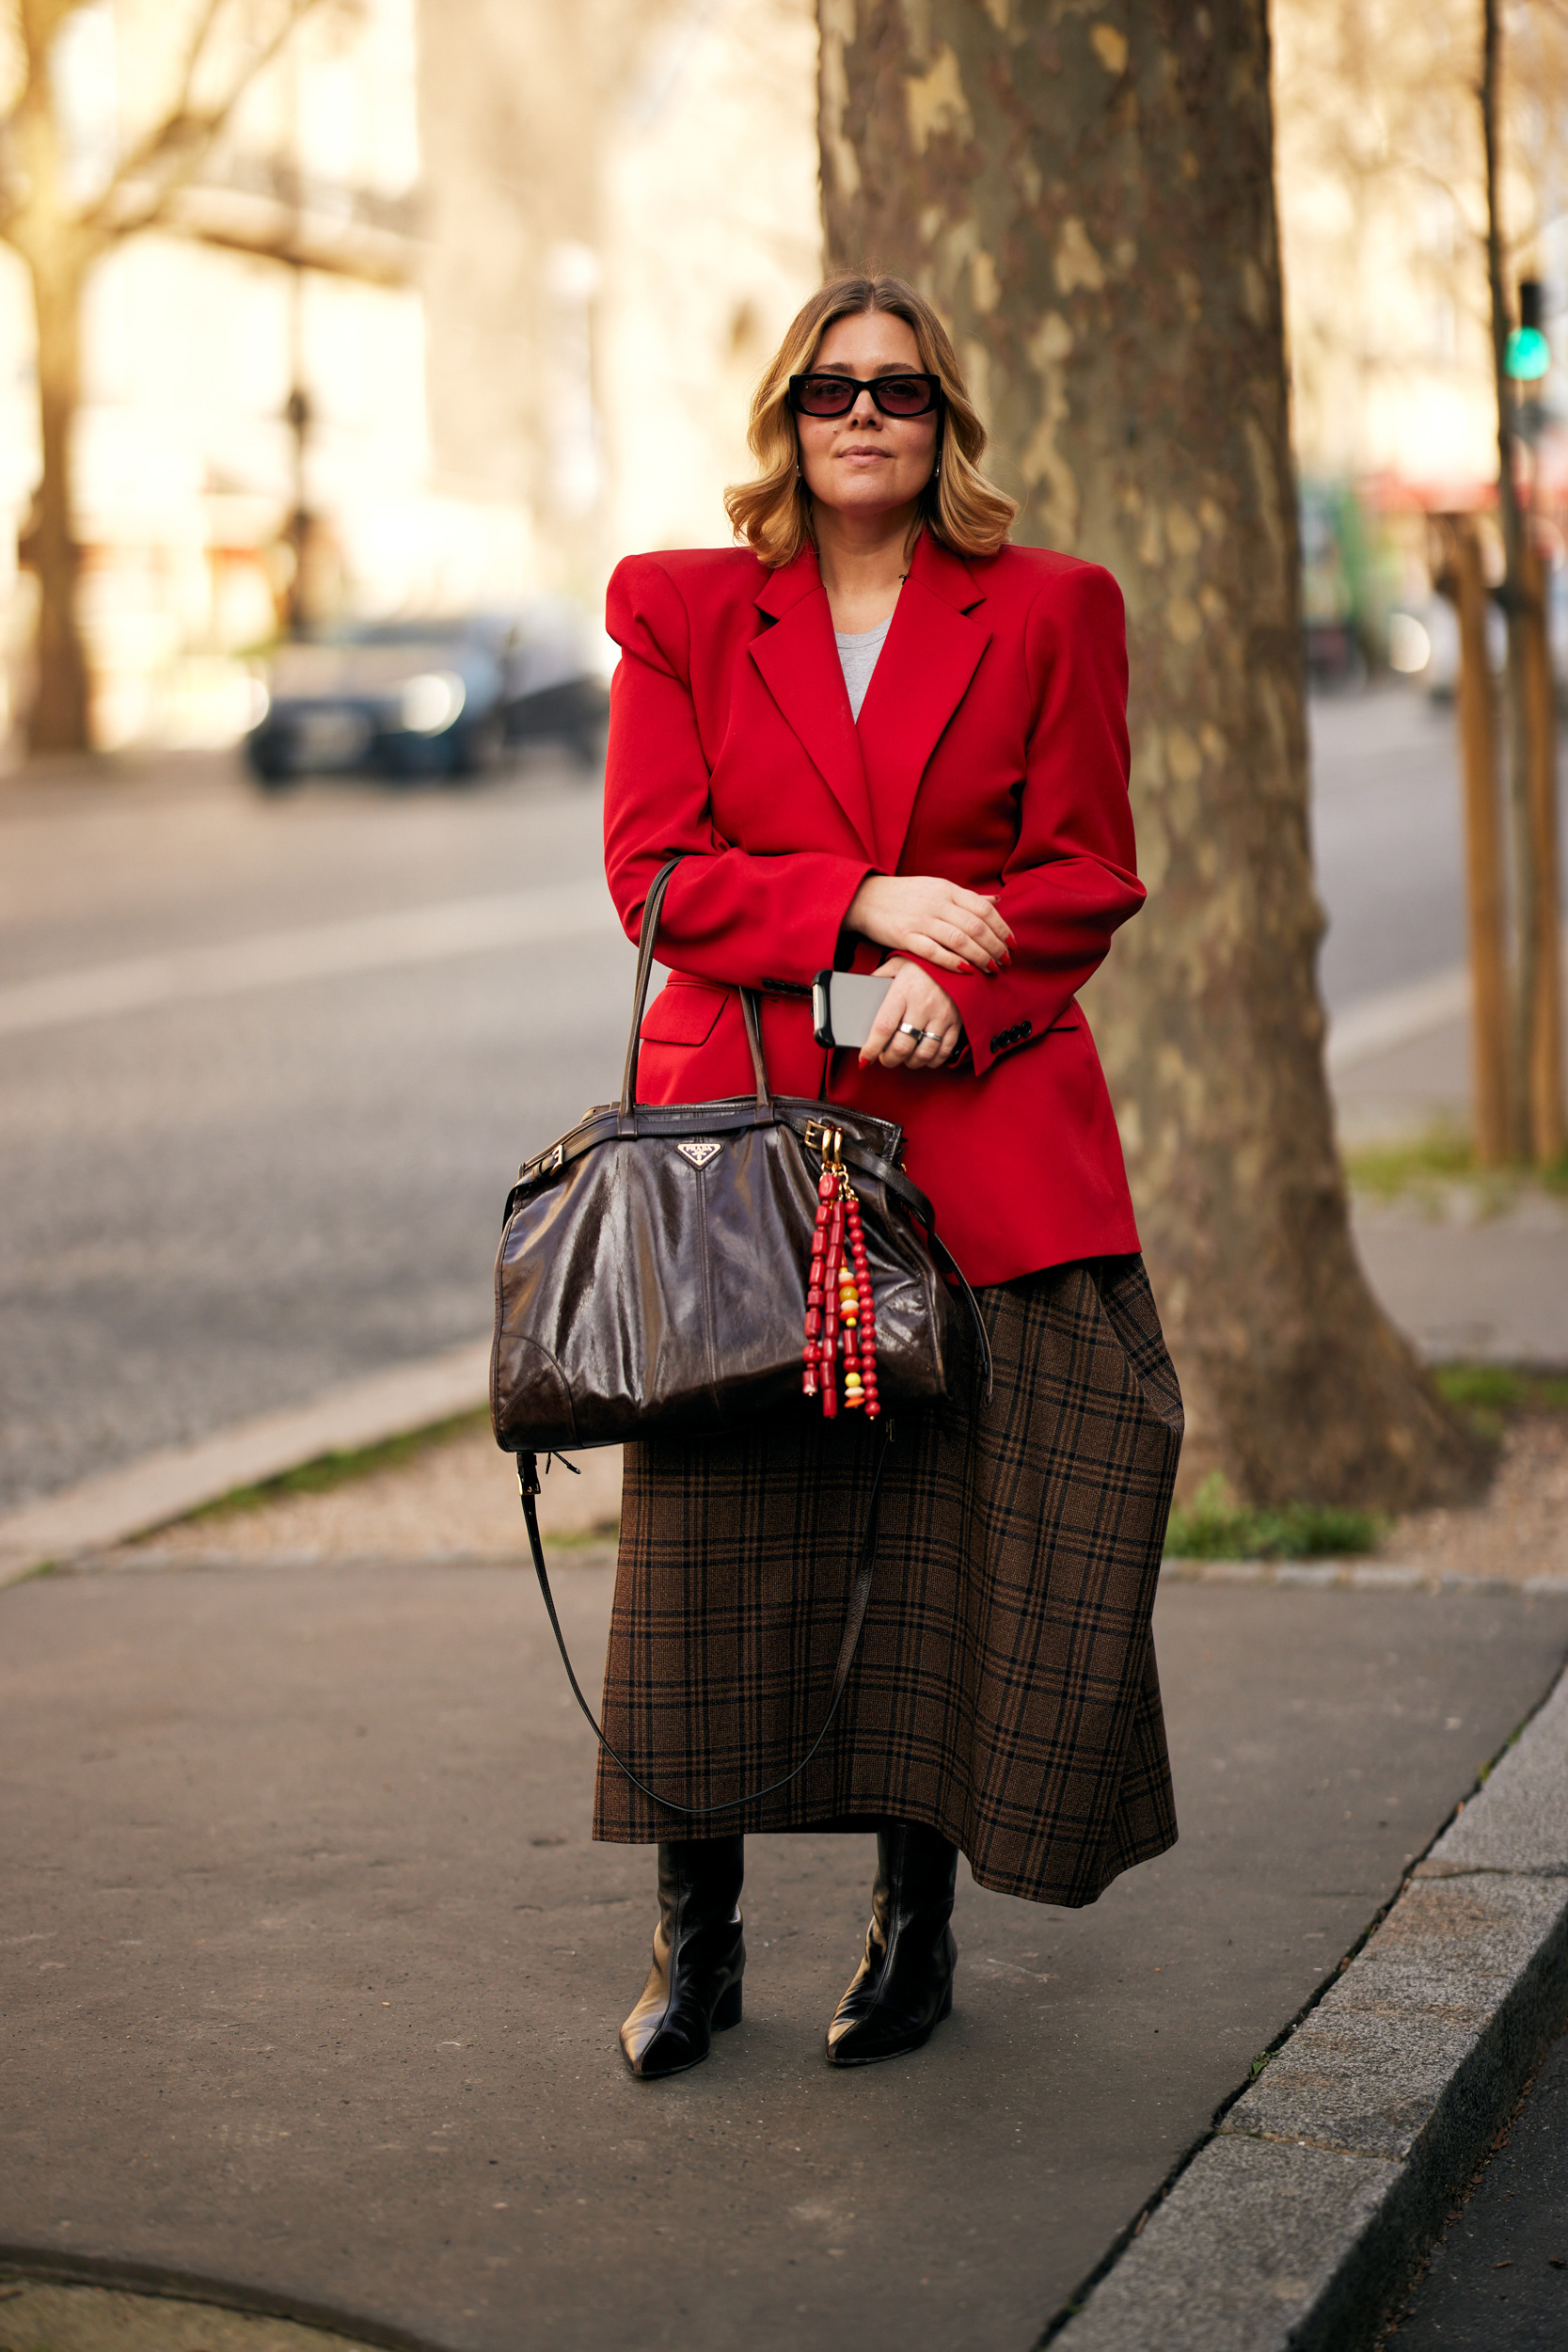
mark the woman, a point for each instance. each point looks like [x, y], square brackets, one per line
[887, 740]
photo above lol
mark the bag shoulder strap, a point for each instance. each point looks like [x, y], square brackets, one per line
[854, 1619]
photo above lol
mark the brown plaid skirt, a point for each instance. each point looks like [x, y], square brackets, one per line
[1005, 1691]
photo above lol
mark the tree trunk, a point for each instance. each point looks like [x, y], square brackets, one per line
[1092, 208]
[59, 720]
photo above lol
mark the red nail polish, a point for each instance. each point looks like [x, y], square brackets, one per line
[966, 967]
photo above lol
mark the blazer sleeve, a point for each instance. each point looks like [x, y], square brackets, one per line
[728, 915]
[1072, 877]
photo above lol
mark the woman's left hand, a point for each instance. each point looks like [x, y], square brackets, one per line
[914, 997]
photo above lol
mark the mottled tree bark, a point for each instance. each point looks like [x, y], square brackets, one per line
[1088, 196]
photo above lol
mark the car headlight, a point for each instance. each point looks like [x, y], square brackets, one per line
[1409, 645]
[430, 701]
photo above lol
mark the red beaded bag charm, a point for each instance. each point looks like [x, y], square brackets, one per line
[841, 1318]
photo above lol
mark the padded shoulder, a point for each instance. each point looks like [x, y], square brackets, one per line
[1030, 569]
[669, 590]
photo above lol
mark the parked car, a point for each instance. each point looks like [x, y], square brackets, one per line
[1424, 645]
[430, 697]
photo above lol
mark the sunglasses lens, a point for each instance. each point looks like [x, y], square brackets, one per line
[826, 395]
[903, 395]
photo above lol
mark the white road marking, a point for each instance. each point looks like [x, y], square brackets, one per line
[1398, 1016]
[524, 918]
[368, 942]
[1375, 1024]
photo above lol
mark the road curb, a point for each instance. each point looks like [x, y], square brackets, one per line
[1296, 2226]
[112, 1508]
[1354, 1575]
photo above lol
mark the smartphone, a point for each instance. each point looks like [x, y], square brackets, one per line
[844, 1005]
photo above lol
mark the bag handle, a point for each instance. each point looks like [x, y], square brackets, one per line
[653, 906]
[894, 1178]
[854, 1619]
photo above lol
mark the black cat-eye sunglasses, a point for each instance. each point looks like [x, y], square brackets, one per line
[827, 395]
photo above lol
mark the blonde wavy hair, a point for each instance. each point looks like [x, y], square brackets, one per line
[958, 506]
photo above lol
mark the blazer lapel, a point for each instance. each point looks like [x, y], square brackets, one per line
[920, 676]
[799, 665]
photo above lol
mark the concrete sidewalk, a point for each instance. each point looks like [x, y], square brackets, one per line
[1475, 1271]
[312, 1975]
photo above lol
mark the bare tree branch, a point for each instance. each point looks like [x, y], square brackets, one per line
[365, 268]
[37, 21]
[185, 137]
[156, 141]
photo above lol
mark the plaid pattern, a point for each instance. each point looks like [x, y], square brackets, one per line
[1005, 1691]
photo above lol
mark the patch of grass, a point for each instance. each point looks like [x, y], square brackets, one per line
[1216, 1526]
[329, 1471]
[1497, 1389]
[1445, 1155]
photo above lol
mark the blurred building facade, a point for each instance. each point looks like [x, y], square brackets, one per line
[1381, 172]
[524, 263]
[521, 261]
[194, 337]
[623, 216]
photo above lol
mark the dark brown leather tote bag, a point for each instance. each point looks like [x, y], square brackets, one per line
[652, 1273]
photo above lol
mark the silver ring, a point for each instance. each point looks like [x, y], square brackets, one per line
[909, 1028]
[935, 1034]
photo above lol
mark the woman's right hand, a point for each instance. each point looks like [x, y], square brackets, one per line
[921, 915]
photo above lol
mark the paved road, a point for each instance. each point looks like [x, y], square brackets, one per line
[310, 1974]
[1498, 2280]
[224, 1197]
[229, 1201]
[1386, 840]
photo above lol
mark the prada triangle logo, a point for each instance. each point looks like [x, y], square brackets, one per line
[698, 1154]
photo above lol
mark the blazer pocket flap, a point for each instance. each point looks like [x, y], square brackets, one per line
[683, 1013]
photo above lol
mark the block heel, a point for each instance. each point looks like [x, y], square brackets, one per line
[728, 2012]
[903, 1988]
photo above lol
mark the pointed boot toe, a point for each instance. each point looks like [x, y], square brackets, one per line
[660, 2038]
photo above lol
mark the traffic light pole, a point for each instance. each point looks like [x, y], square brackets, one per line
[1540, 916]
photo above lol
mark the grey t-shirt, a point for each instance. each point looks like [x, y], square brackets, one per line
[858, 657]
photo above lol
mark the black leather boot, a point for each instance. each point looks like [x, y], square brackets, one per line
[903, 1988]
[694, 1984]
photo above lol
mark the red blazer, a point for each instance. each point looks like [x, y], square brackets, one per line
[992, 748]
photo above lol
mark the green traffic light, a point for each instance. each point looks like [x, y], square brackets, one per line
[1529, 355]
